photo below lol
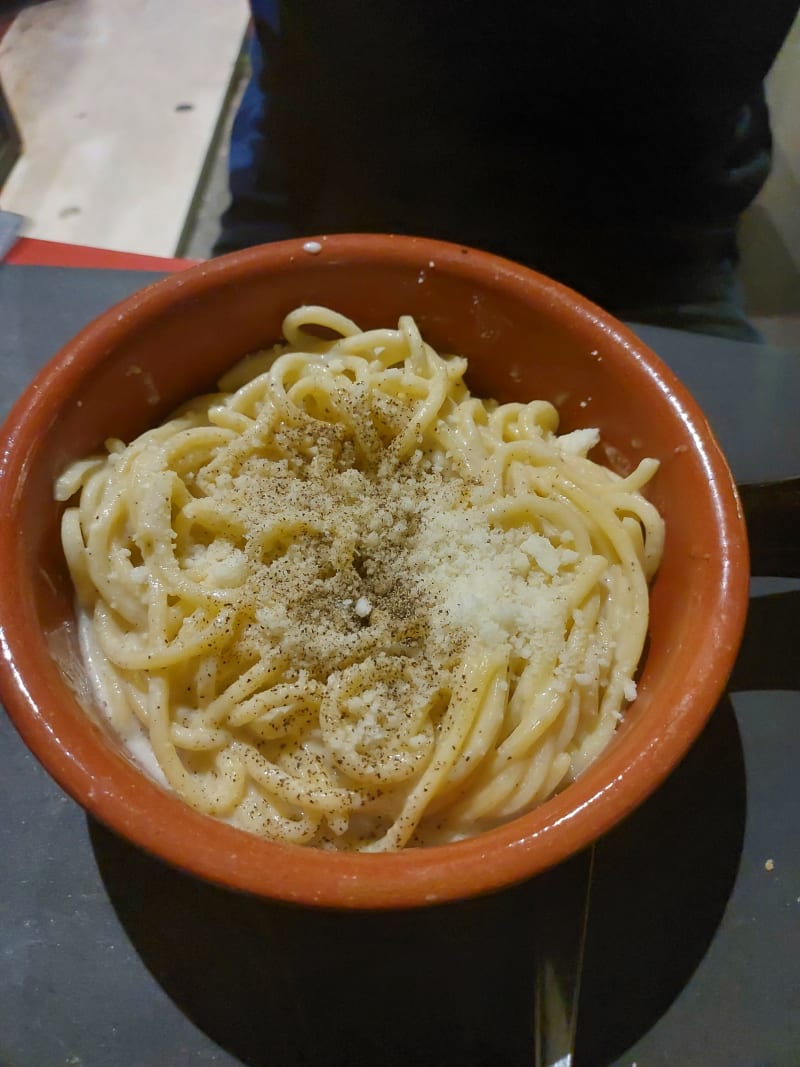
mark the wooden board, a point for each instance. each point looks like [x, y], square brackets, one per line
[117, 103]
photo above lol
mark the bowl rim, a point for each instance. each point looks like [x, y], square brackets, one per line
[218, 853]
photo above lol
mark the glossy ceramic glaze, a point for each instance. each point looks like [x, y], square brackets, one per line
[526, 337]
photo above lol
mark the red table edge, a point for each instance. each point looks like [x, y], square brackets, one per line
[31, 252]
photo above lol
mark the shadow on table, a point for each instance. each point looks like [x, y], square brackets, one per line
[663, 877]
[286, 986]
[661, 883]
[281, 985]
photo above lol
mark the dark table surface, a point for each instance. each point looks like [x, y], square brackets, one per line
[109, 958]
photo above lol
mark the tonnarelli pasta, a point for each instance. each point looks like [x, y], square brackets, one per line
[344, 603]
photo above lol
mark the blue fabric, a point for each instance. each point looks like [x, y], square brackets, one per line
[247, 139]
[247, 148]
[259, 211]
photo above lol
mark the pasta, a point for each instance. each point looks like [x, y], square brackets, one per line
[344, 603]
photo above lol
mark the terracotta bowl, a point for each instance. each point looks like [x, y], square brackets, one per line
[526, 337]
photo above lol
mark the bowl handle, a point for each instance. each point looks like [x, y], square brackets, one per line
[772, 513]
